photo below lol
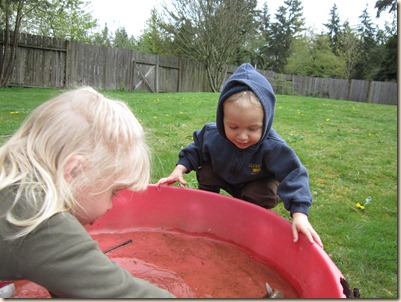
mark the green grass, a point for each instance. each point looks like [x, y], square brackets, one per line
[349, 148]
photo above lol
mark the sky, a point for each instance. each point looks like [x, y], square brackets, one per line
[133, 16]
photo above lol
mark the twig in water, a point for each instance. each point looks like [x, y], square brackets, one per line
[117, 246]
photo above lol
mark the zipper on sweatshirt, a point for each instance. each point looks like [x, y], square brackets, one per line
[236, 165]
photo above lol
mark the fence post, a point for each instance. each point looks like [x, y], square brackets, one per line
[179, 75]
[131, 73]
[349, 89]
[157, 73]
[133, 66]
[368, 100]
[67, 64]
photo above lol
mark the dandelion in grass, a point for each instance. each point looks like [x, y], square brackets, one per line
[361, 206]
[327, 120]
[14, 112]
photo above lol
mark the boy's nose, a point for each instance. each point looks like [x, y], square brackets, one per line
[243, 136]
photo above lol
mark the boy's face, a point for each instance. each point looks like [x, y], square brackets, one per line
[243, 127]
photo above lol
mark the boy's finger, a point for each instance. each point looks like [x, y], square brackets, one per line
[295, 234]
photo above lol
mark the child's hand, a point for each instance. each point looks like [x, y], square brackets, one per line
[175, 176]
[300, 223]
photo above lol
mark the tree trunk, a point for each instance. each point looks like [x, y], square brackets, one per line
[10, 43]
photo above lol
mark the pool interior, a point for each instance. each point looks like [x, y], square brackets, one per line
[188, 265]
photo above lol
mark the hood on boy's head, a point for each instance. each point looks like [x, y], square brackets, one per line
[244, 78]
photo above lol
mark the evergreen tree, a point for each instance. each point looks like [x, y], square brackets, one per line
[388, 69]
[261, 58]
[296, 20]
[278, 41]
[389, 48]
[333, 27]
[382, 5]
[388, 42]
[250, 51]
[103, 38]
[365, 67]
[154, 40]
[288, 26]
[348, 49]
[122, 40]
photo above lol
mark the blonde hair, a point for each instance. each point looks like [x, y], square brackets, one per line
[78, 122]
[244, 100]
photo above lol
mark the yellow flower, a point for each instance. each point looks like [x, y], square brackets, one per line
[327, 120]
[14, 112]
[360, 206]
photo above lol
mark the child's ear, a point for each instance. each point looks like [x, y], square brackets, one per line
[73, 167]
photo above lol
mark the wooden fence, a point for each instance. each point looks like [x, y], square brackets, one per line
[50, 62]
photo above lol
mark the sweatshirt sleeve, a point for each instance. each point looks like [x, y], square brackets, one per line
[62, 257]
[192, 156]
[293, 177]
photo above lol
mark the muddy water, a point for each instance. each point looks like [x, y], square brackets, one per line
[188, 266]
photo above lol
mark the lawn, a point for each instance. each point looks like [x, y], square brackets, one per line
[349, 148]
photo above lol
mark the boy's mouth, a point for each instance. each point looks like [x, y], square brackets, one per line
[242, 145]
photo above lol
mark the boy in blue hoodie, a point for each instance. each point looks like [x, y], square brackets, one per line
[242, 154]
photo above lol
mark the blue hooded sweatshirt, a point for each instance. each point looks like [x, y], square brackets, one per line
[270, 157]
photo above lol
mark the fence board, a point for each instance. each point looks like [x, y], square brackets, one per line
[383, 93]
[358, 90]
[193, 77]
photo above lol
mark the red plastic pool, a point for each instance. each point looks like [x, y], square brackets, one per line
[261, 232]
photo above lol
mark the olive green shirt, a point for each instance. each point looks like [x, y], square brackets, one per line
[61, 256]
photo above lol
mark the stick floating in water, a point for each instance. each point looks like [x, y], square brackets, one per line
[117, 246]
[272, 293]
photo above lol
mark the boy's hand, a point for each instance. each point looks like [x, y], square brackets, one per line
[300, 223]
[175, 176]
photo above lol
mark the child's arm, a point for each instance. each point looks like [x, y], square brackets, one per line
[62, 257]
[300, 223]
[175, 176]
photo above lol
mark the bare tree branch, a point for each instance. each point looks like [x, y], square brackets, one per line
[210, 31]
